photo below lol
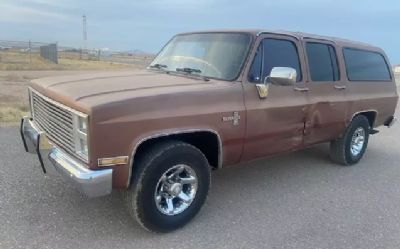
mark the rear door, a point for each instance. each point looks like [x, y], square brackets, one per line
[275, 124]
[326, 113]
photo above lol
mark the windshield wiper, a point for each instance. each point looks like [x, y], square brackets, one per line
[188, 70]
[158, 66]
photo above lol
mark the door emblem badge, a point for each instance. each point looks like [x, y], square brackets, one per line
[234, 118]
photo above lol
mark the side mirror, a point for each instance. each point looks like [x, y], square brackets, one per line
[282, 76]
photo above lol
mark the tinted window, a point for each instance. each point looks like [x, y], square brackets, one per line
[322, 62]
[274, 53]
[365, 65]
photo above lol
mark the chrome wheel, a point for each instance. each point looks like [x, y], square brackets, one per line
[176, 190]
[357, 141]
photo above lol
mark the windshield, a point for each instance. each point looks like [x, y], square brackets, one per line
[217, 55]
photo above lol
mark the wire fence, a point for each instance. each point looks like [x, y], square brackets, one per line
[19, 52]
[28, 52]
[105, 55]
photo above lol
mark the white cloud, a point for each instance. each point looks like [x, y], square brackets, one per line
[20, 13]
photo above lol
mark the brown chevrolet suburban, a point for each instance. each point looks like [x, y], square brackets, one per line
[208, 100]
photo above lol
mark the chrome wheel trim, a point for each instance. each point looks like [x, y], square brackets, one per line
[176, 189]
[357, 141]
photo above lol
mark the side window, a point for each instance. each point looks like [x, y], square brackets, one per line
[274, 53]
[256, 68]
[362, 65]
[322, 62]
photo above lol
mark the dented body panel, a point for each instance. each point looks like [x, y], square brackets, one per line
[127, 108]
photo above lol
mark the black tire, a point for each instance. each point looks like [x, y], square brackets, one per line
[340, 149]
[149, 168]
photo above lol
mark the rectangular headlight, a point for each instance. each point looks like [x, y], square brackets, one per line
[80, 135]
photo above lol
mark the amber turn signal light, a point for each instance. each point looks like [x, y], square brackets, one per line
[110, 161]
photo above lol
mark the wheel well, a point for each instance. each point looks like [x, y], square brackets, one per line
[207, 142]
[370, 115]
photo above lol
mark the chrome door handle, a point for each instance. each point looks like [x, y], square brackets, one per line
[340, 87]
[301, 89]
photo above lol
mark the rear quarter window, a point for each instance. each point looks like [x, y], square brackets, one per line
[363, 65]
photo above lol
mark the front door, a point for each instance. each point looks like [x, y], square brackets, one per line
[275, 124]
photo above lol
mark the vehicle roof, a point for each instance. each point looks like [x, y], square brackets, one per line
[297, 35]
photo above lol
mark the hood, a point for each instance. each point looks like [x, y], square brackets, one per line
[85, 91]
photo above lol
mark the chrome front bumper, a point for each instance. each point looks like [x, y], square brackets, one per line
[92, 183]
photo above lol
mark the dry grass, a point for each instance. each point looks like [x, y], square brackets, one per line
[12, 114]
[14, 94]
[70, 64]
[13, 85]
[20, 61]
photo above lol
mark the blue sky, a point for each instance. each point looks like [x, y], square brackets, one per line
[148, 24]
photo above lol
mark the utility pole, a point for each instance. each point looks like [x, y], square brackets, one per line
[84, 33]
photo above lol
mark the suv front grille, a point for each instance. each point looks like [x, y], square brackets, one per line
[55, 119]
